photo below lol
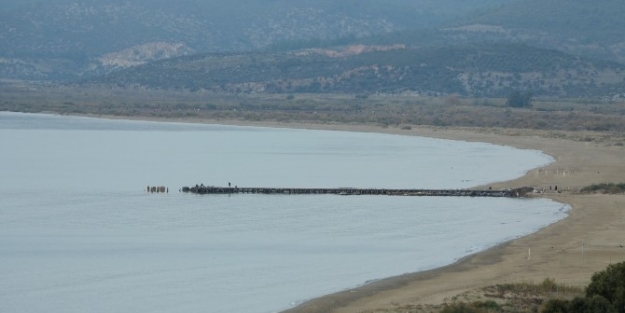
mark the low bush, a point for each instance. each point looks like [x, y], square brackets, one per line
[605, 294]
[595, 304]
[608, 188]
[459, 308]
[548, 285]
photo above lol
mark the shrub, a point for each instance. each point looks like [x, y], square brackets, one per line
[556, 306]
[595, 304]
[460, 308]
[475, 307]
[605, 294]
[610, 284]
[519, 100]
[490, 306]
[610, 188]
[549, 284]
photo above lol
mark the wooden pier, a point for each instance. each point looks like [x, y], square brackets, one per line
[209, 190]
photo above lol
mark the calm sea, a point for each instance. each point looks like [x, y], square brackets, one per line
[78, 232]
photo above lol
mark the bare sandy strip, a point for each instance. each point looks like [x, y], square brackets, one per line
[596, 222]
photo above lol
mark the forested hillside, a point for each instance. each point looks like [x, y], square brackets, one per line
[472, 69]
[63, 39]
[592, 29]
[69, 40]
[587, 21]
[578, 27]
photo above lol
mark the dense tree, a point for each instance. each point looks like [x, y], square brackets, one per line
[595, 304]
[517, 99]
[610, 284]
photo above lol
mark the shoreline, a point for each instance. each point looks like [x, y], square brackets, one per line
[556, 248]
[598, 221]
[595, 221]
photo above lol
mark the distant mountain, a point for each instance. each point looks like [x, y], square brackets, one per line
[74, 39]
[479, 70]
[63, 39]
[579, 27]
[581, 21]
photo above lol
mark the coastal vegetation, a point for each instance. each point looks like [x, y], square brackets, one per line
[519, 100]
[605, 188]
[604, 294]
[503, 298]
[578, 119]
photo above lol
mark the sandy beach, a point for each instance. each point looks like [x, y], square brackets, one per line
[596, 222]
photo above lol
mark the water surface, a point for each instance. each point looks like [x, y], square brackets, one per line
[79, 233]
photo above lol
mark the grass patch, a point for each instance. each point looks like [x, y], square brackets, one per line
[547, 287]
[503, 298]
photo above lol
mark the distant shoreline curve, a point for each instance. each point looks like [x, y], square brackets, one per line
[554, 248]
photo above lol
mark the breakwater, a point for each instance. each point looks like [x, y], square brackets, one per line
[509, 193]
